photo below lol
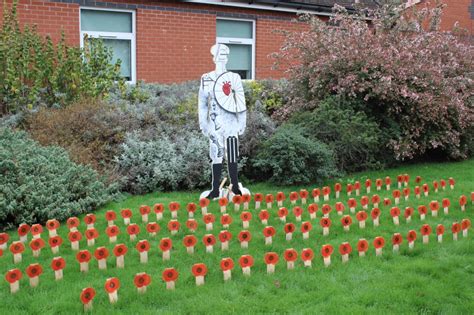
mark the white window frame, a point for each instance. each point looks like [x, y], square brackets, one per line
[114, 35]
[240, 41]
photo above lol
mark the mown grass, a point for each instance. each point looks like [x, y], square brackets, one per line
[433, 278]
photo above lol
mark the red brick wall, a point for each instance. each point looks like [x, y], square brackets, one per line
[457, 11]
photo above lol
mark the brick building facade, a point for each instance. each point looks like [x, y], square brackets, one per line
[169, 41]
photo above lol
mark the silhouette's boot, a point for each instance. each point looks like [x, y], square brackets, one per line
[216, 177]
[234, 178]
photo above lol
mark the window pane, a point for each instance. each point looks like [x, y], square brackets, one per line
[106, 21]
[236, 29]
[121, 49]
[240, 60]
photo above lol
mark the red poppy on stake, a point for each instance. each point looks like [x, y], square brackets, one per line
[225, 237]
[87, 296]
[246, 200]
[293, 197]
[174, 207]
[143, 247]
[110, 216]
[142, 280]
[446, 203]
[189, 242]
[442, 182]
[326, 251]
[258, 198]
[298, 211]
[204, 203]
[307, 256]
[280, 197]
[451, 182]
[91, 235]
[396, 196]
[191, 208]
[237, 200]
[395, 213]
[209, 219]
[120, 250]
[199, 271]
[226, 220]
[326, 209]
[145, 211]
[326, 191]
[368, 185]
[173, 226]
[158, 208]
[36, 230]
[268, 232]
[406, 193]
[13, 277]
[472, 198]
[245, 217]
[101, 254]
[312, 209]
[418, 179]
[192, 225]
[337, 189]
[349, 189]
[440, 232]
[83, 257]
[379, 243]
[89, 220]
[126, 215]
[455, 228]
[223, 201]
[23, 231]
[361, 216]
[425, 189]
[290, 256]
[74, 237]
[434, 206]
[465, 226]
[269, 200]
[425, 232]
[339, 208]
[58, 264]
[282, 213]
[34, 271]
[165, 246]
[36, 245]
[17, 248]
[352, 204]
[306, 227]
[388, 182]
[209, 240]
[357, 188]
[364, 202]
[227, 264]
[375, 201]
[411, 238]
[170, 275]
[289, 228]
[435, 186]
[316, 193]
[152, 228]
[375, 214]
[52, 226]
[304, 196]
[112, 231]
[271, 259]
[408, 213]
[406, 179]
[325, 224]
[55, 242]
[246, 262]
[111, 287]
[396, 241]
[417, 192]
[463, 202]
[422, 210]
[400, 181]
[362, 246]
[346, 222]
[345, 249]
[378, 184]
[387, 202]
[244, 238]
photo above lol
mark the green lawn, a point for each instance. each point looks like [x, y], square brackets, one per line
[433, 278]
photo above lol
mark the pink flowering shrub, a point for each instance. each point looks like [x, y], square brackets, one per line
[412, 78]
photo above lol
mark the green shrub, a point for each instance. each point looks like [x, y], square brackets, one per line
[39, 183]
[289, 157]
[37, 72]
[354, 137]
